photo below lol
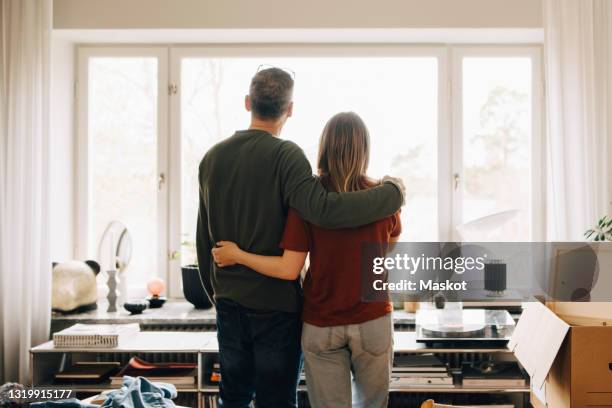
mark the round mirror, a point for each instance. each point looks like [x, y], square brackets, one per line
[115, 249]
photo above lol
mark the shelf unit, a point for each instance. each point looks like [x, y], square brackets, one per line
[202, 348]
[150, 346]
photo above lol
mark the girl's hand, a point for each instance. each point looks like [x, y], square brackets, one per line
[226, 253]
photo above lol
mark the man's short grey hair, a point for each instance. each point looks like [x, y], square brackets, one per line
[271, 92]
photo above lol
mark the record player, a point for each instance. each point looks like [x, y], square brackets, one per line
[493, 327]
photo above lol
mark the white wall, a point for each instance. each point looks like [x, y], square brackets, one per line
[62, 150]
[143, 14]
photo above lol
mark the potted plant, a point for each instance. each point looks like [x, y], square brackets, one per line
[192, 283]
[602, 231]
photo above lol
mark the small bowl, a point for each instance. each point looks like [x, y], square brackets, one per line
[156, 301]
[136, 306]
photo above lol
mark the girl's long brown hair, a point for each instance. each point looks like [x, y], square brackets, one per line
[344, 154]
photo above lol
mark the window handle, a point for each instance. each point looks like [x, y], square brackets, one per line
[457, 179]
[161, 179]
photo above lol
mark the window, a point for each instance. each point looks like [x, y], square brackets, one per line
[396, 97]
[455, 146]
[124, 131]
[497, 111]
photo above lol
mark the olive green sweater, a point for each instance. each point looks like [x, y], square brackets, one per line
[247, 184]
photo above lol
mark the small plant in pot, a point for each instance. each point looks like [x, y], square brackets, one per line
[192, 283]
[602, 231]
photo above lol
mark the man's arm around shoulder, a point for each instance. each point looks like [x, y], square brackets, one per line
[302, 191]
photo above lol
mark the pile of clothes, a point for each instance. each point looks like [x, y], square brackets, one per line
[135, 393]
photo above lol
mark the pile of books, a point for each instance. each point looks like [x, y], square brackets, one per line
[88, 372]
[98, 372]
[493, 374]
[420, 370]
[80, 336]
[171, 373]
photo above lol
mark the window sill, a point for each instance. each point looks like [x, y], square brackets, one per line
[178, 315]
[174, 315]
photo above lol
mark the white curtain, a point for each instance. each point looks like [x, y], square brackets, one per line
[578, 72]
[25, 271]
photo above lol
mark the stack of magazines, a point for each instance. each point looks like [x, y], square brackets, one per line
[412, 370]
[171, 373]
[87, 371]
[82, 336]
[493, 374]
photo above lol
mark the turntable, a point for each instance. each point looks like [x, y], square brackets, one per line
[486, 327]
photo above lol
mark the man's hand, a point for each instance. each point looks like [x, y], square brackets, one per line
[226, 253]
[398, 183]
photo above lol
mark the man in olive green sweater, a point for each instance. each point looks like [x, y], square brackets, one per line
[247, 184]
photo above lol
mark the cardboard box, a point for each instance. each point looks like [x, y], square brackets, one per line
[569, 366]
[583, 313]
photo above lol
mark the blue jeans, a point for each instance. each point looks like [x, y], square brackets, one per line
[260, 356]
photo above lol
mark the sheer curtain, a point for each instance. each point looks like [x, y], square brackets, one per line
[25, 271]
[578, 63]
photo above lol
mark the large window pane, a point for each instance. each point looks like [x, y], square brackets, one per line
[396, 97]
[497, 147]
[123, 157]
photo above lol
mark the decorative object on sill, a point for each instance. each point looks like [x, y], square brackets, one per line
[602, 231]
[193, 289]
[397, 305]
[439, 300]
[155, 302]
[136, 306]
[74, 286]
[155, 287]
[411, 306]
[114, 253]
[495, 278]
[112, 291]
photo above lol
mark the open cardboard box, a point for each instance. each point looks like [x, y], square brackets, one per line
[583, 313]
[569, 366]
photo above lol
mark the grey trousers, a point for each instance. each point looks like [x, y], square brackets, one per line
[349, 365]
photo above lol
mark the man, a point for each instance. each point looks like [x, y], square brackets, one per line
[247, 184]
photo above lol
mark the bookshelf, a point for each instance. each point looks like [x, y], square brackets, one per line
[156, 347]
[202, 348]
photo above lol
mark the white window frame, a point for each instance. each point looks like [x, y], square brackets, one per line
[169, 128]
[534, 53]
[86, 245]
[298, 50]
